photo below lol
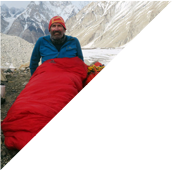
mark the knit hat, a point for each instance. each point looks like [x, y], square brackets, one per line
[57, 19]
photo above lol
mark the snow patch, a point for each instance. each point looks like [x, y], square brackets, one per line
[111, 57]
[37, 2]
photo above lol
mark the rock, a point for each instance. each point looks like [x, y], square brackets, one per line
[132, 124]
[2, 100]
[3, 153]
[2, 138]
[8, 71]
[79, 168]
[129, 114]
[86, 163]
[24, 65]
[112, 167]
[22, 69]
[24, 84]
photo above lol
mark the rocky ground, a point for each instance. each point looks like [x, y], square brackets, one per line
[122, 127]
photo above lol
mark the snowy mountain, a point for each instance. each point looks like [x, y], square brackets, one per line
[12, 12]
[33, 22]
[8, 15]
[107, 24]
[80, 4]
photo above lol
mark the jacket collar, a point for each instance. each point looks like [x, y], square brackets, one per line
[49, 39]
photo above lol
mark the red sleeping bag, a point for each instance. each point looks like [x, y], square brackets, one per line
[51, 87]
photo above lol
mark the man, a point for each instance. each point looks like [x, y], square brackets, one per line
[55, 45]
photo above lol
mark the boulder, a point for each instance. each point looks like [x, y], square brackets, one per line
[23, 66]
[2, 76]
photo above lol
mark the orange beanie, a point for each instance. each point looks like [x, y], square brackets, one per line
[57, 19]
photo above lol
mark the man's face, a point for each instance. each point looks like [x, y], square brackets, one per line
[57, 30]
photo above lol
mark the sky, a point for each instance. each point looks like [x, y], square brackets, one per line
[19, 4]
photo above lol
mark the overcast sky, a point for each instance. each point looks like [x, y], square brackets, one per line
[17, 4]
[21, 3]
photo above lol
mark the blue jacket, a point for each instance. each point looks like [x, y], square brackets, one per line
[45, 49]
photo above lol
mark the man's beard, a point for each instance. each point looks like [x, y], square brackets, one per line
[56, 40]
[58, 36]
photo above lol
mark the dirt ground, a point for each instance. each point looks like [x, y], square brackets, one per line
[122, 128]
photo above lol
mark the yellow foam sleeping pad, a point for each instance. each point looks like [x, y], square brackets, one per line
[94, 68]
[103, 69]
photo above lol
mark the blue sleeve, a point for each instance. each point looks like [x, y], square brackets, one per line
[79, 51]
[35, 57]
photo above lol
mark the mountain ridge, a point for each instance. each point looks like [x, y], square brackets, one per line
[111, 24]
[33, 22]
